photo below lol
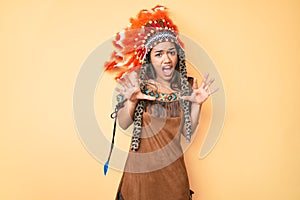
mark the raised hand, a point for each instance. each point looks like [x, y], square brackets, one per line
[200, 94]
[131, 89]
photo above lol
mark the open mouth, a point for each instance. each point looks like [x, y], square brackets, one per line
[167, 70]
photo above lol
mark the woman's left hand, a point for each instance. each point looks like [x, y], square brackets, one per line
[200, 94]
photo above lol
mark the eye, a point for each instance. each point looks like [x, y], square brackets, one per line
[172, 53]
[158, 54]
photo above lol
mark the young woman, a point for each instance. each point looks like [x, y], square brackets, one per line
[157, 98]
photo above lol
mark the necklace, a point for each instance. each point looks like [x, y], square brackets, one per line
[163, 97]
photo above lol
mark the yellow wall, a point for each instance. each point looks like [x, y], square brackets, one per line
[254, 44]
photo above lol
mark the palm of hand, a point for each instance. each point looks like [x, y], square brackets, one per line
[131, 89]
[132, 93]
[200, 94]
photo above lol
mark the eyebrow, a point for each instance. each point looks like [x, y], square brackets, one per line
[172, 48]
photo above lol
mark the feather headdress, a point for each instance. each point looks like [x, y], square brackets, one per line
[134, 42]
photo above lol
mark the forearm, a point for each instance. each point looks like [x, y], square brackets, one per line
[195, 114]
[125, 114]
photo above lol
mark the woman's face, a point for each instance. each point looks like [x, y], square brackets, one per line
[164, 60]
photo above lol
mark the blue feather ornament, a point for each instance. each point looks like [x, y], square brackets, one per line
[106, 168]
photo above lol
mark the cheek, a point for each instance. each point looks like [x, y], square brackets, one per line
[155, 65]
[175, 60]
[155, 61]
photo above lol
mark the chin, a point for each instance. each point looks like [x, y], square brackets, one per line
[168, 78]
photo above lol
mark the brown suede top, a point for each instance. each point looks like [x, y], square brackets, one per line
[157, 170]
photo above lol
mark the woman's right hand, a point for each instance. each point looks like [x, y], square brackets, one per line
[131, 88]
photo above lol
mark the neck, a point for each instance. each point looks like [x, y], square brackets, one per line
[163, 85]
[163, 82]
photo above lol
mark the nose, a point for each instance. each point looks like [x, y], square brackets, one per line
[167, 58]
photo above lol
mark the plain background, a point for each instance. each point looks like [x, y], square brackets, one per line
[254, 44]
